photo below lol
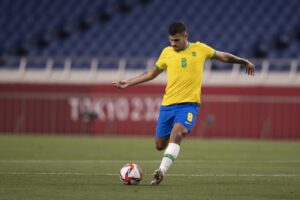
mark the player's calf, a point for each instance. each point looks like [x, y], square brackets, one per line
[160, 147]
[161, 143]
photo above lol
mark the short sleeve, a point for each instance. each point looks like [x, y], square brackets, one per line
[210, 52]
[161, 62]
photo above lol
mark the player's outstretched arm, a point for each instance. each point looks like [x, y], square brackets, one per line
[146, 76]
[229, 58]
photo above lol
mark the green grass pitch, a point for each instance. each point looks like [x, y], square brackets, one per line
[65, 167]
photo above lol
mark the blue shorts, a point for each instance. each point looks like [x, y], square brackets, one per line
[184, 113]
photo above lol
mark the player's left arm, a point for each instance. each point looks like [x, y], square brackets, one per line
[229, 58]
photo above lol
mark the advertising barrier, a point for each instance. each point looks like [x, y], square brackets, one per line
[225, 112]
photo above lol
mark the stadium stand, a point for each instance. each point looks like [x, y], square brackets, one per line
[137, 28]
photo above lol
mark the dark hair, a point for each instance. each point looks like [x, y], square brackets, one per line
[177, 27]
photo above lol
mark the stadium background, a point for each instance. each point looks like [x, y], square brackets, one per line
[58, 59]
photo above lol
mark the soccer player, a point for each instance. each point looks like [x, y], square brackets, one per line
[184, 62]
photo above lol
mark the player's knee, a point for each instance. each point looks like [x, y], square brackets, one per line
[181, 133]
[178, 135]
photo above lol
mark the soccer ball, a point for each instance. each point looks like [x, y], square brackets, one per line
[131, 174]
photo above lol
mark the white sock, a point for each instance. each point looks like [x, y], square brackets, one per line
[170, 155]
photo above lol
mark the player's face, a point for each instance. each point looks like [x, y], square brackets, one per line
[178, 41]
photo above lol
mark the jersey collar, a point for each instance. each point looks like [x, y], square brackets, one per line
[186, 47]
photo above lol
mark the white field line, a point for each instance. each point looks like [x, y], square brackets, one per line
[147, 161]
[171, 175]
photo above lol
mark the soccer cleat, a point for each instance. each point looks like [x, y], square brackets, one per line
[157, 177]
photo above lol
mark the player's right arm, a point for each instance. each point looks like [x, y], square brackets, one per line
[144, 77]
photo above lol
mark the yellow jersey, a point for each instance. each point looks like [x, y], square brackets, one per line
[184, 72]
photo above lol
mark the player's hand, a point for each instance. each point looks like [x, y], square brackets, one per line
[250, 68]
[121, 84]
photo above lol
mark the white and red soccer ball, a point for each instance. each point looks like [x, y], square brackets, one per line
[131, 174]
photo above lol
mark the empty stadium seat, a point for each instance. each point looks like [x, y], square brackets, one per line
[130, 28]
